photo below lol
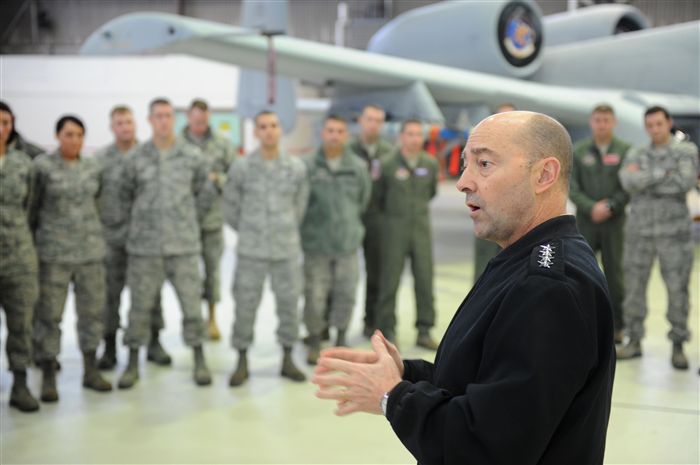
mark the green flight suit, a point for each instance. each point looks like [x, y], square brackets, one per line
[595, 177]
[404, 197]
[331, 234]
[372, 220]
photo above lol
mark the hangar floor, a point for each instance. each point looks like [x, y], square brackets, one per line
[166, 419]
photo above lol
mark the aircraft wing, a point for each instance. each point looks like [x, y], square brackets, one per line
[323, 64]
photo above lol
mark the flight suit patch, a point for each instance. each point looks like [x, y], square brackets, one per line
[588, 159]
[402, 174]
[422, 171]
[611, 159]
[376, 169]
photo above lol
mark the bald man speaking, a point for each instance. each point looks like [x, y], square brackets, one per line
[525, 370]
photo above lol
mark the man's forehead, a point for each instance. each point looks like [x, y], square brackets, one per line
[375, 112]
[264, 120]
[657, 116]
[123, 117]
[500, 127]
[162, 110]
[198, 114]
[413, 129]
[335, 125]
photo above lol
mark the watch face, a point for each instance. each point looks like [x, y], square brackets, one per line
[383, 403]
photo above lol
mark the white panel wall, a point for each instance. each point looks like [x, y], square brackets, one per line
[41, 88]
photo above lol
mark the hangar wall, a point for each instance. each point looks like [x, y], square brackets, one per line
[61, 26]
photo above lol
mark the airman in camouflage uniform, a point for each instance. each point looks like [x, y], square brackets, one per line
[166, 191]
[264, 201]
[374, 150]
[19, 288]
[331, 234]
[220, 154]
[658, 177]
[71, 249]
[115, 228]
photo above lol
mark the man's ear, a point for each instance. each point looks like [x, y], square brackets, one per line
[547, 174]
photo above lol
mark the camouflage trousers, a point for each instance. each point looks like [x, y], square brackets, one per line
[212, 248]
[145, 276]
[247, 291]
[18, 295]
[115, 268]
[333, 276]
[676, 260]
[88, 281]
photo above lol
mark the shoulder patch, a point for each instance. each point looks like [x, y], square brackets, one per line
[548, 258]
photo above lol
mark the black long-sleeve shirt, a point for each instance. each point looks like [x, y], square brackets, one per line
[525, 371]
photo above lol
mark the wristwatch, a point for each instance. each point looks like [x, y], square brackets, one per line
[383, 402]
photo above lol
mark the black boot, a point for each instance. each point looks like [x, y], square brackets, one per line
[314, 350]
[20, 397]
[289, 369]
[109, 357]
[131, 374]
[92, 379]
[425, 340]
[201, 373]
[619, 336]
[241, 374]
[678, 358]
[48, 381]
[632, 349]
[156, 353]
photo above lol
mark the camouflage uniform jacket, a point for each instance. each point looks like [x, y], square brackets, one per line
[23, 145]
[658, 190]
[265, 203]
[112, 209]
[219, 154]
[65, 211]
[333, 220]
[166, 194]
[17, 253]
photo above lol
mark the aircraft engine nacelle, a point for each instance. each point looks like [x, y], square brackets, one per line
[499, 36]
[593, 23]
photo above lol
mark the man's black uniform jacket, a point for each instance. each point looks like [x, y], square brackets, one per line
[525, 371]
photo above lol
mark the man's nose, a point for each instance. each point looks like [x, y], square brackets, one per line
[466, 183]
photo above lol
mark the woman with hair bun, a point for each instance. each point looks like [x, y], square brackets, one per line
[71, 249]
